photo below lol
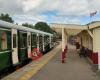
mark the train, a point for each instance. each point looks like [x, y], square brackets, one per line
[17, 42]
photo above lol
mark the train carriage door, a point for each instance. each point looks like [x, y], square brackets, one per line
[14, 46]
[29, 43]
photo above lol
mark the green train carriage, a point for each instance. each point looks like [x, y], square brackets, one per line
[17, 42]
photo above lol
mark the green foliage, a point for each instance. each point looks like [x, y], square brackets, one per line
[43, 27]
[6, 17]
[28, 25]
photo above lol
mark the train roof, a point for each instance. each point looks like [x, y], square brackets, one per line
[19, 27]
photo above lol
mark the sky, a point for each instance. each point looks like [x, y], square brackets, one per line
[51, 11]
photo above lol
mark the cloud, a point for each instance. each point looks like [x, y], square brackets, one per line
[29, 19]
[44, 18]
[63, 7]
[94, 5]
[11, 6]
[65, 20]
[31, 4]
[62, 11]
[74, 7]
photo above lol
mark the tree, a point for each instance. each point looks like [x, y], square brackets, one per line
[28, 25]
[6, 17]
[43, 27]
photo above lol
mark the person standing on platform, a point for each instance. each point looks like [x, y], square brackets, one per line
[77, 47]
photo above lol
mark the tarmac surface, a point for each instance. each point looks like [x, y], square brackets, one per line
[26, 72]
[49, 67]
[75, 68]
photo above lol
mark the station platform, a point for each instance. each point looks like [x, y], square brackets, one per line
[74, 68]
[49, 67]
[26, 72]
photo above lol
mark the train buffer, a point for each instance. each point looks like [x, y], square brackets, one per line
[74, 68]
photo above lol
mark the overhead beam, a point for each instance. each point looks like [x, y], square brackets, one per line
[90, 33]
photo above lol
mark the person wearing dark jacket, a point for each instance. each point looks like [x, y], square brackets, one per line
[82, 52]
[77, 47]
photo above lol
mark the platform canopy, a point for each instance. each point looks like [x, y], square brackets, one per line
[71, 29]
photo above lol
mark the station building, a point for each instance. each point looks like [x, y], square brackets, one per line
[87, 35]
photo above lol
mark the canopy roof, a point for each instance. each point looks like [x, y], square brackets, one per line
[74, 29]
[71, 29]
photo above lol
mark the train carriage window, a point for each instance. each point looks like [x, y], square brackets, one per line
[3, 41]
[24, 40]
[14, 41]
[40, 42]
[21, 40]
[46, 39]
[34, 40]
